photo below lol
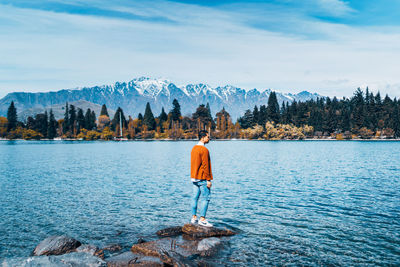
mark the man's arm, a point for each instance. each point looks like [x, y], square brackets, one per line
[205, 165]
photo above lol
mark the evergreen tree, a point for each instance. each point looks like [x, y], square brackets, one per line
[292, 113]
[12, 117]
[358, 109]
[396, 118]
[104, 111]
[262, 116]
[201, 116]
[247, 120]
[210, 116]
[92, 120]
[163, 116]
[176, 110]
[30, 123]
[256, 115]
[52, 126]
[148, 118]
[80, 121]
[88, 120]
[65, 124]
[285, 118]
[41, 123]
[209, 111]
[387, 112]
[72, 118]
[116, 120]
[140, 117]
[273, 108]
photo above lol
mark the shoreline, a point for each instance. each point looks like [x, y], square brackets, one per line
[188, 140]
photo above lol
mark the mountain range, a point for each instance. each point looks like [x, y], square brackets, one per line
[133, 96]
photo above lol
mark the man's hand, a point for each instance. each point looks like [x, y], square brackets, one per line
[209, 184]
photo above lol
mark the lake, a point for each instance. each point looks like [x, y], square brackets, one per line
[292, 202]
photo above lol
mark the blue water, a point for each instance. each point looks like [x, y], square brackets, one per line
[293, 203]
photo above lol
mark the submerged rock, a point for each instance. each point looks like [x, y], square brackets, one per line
[70, 259]
[56, 245]
[171, 231]
[197, 231]
[130, 259]
[92, 250]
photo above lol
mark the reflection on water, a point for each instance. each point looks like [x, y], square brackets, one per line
[310, 203]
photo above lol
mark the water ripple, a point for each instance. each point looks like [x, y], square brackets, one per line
[292, 203]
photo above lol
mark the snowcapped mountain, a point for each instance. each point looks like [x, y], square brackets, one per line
[133, 96]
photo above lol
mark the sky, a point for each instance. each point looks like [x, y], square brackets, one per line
[330, 47]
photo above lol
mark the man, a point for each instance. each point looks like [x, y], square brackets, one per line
[201, 176]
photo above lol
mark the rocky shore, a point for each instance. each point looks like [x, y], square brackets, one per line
[176, 246]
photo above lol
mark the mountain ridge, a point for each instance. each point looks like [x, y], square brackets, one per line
[132, 97]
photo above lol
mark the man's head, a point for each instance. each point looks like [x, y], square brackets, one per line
[204, 137]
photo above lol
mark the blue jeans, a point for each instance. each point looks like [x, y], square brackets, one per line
[200, 190]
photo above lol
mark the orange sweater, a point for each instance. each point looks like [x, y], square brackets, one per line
[200, 163]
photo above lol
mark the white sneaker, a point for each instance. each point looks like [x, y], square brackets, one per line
[205, 223]
[193, 221]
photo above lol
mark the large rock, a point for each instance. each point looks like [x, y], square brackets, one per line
[177, 251]
[162, 249]
[197, 231]
[171, 231]
[56, 245]
[67, 260]
[130, 259]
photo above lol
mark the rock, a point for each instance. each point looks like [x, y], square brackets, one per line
[208, 246]
[130, 259]
[140, 241]
[197, 231]
[92, 250]
[56, 245]
[70, 259]
[178, 251]
[113, 247]
[169, 250]
[171, 231]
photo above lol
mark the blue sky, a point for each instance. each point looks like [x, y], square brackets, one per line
[325, 46]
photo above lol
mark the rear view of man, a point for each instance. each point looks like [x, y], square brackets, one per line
[201, 176]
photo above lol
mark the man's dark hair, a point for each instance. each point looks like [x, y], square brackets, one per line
[202, 133]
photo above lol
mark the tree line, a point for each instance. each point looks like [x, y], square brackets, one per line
[364, 115]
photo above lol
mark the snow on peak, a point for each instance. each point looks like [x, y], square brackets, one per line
[197, 89]
[149, 87]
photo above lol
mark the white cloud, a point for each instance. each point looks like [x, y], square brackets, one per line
[43, 50]
[335, 7]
